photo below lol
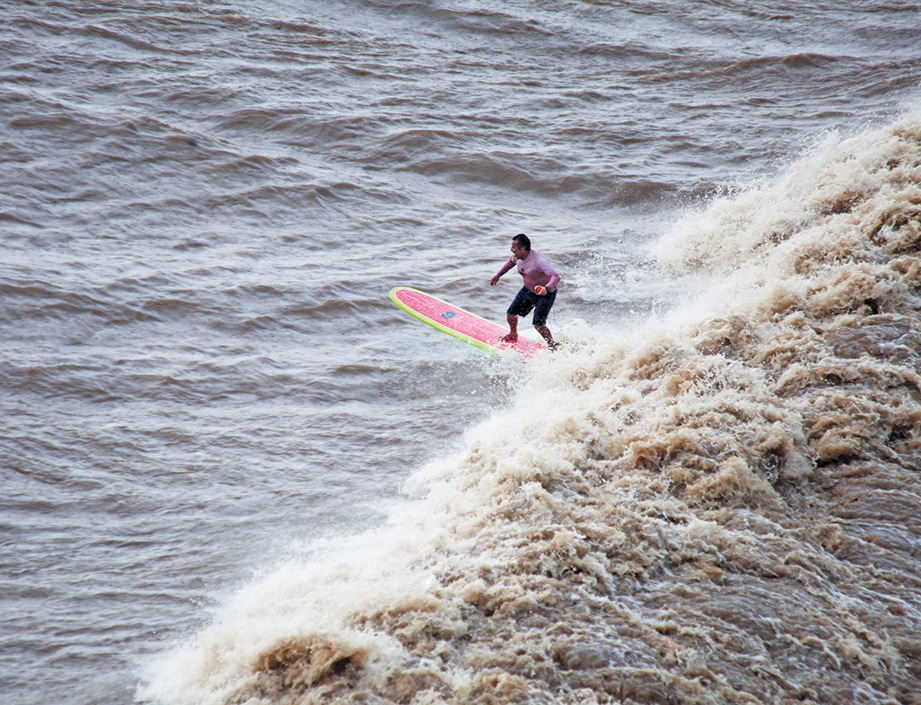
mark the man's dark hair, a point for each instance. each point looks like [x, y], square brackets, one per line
[523, 240]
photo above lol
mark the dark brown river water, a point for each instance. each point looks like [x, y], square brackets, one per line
[234, 472]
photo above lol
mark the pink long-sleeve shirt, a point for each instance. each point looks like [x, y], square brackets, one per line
[535, 269]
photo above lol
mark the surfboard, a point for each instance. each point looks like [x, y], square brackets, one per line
[460, 323]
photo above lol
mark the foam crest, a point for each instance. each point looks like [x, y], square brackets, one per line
[843, 185]
[725, 511]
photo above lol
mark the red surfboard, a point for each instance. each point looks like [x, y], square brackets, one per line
[459, 323]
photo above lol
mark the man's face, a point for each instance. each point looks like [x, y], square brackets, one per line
[518, 250]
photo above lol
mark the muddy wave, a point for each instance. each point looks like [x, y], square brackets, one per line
[721, 511]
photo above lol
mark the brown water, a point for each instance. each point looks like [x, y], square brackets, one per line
[234, 472]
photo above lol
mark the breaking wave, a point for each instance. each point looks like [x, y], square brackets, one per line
[724, 510]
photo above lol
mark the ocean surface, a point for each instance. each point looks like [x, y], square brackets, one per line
[234, 472]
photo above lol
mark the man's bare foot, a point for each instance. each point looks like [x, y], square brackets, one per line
[509, 338]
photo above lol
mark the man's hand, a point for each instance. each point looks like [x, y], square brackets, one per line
[540, 290]
[494, 280]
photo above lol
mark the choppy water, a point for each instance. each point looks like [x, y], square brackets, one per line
[234, 472]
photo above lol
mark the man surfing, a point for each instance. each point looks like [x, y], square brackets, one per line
[538, 292]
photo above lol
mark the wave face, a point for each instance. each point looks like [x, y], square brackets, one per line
[726, 509]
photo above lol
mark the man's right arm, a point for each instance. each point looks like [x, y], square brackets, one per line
[505, 267]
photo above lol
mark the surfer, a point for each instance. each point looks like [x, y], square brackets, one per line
[538, 292]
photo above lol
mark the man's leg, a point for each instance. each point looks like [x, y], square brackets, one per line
[521, 306]
[512, 335]
[541, 311]
[547, 335]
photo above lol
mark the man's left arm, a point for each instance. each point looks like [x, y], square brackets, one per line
[550, 272]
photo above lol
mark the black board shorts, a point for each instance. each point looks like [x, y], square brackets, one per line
[526, 300]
